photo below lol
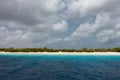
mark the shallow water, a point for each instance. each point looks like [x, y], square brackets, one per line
[59, 67]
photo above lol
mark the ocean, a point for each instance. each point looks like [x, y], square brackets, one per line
[59, 67]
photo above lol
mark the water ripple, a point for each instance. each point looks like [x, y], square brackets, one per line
[59, 68]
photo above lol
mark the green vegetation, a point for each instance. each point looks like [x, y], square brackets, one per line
[45, 49]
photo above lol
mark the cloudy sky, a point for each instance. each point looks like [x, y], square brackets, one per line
[60, 23]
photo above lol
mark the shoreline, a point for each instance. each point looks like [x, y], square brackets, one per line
[63, 53]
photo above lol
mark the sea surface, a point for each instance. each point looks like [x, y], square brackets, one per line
[59, 67]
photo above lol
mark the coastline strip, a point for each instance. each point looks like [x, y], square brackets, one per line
[62, 53]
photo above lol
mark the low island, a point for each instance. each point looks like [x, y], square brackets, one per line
[45, 49]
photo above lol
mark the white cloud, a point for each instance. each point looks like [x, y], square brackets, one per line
[30, 22]
[85, 7]
[111, 35]
[106, 36]
[87, 29]
[37, 23]
[10, 38]
[117, 27]
[60, 26]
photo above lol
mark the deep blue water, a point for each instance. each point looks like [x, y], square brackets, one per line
[59, 67]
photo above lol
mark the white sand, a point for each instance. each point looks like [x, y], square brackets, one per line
[64, 53]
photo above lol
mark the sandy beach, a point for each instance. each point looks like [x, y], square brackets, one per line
[63, 53]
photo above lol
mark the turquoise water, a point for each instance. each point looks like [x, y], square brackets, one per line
[59, 67]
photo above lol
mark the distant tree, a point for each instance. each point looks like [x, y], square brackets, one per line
[84, 50]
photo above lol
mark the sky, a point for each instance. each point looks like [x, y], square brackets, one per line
[70, 24]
